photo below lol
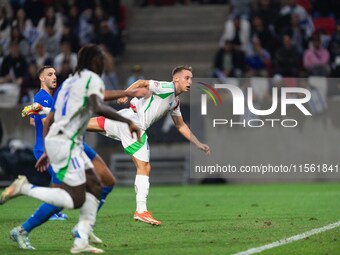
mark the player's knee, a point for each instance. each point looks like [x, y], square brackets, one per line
[146, 169]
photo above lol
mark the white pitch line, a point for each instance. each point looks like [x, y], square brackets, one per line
[289, 239]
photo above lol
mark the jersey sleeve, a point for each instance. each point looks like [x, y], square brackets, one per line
[161, 87]
[96, 86]
[177, 109]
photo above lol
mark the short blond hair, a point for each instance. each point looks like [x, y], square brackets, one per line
[178, 69]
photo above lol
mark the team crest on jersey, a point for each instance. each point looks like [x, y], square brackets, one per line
[156, 84]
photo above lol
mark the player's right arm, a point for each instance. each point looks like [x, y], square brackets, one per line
[136, 85]
[139, 84]
[109, 95]
[116, 94]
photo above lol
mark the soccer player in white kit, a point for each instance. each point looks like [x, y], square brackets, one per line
[164, 98]
[81, 94]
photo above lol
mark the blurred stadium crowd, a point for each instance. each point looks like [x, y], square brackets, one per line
[34, 33]
[292, 38]
[289, 38]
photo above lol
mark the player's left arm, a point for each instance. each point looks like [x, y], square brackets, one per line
[136, 85]
[186, 132]
[115, 94]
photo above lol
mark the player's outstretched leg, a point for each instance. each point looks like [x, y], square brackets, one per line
[13, 190]
[55, 196]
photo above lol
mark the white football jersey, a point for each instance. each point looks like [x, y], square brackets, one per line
[163, 99]
[72, 106]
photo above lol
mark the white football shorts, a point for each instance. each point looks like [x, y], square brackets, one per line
[68, 159]
[120, 131]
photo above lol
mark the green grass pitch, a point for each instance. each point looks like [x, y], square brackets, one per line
[222, 219]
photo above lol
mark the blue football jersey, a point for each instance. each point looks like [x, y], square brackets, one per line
[46, 100]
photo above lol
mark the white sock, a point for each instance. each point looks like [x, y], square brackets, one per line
[142, 186]
[54, 196]
[87, 219]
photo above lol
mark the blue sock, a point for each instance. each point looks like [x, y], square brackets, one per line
[103, 195]
[42, 214]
